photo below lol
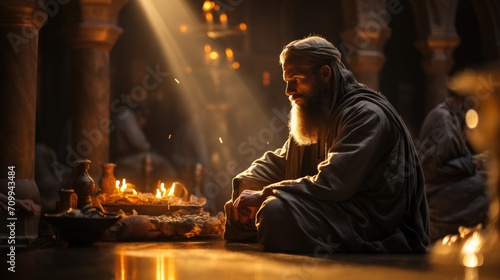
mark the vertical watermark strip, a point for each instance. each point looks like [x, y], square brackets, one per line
[11, 219]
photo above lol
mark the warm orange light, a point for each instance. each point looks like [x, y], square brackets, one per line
[209, 17]
[471, 118]
[158, 194]
[207, 6]
[162, 189]
[134, 191]
[229, 53]
[207, 48]
[243, 26]
[171, 191]
[235, 65]
[124, 186]
[183, 28]
[223, 18]
[214, 55]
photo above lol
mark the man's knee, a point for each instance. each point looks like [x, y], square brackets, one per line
[271, 213]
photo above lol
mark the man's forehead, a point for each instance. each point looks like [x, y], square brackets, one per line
[290, 69]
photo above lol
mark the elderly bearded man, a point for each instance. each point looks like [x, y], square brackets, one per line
[347, 180]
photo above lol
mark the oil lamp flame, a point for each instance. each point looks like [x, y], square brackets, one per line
[171, 191]
[124, 186]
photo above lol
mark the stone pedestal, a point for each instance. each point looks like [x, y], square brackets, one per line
[91, 33]
[19, 25]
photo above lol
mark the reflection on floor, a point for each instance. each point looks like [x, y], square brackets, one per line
[216, 259]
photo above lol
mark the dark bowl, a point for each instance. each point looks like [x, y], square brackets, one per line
[81, 231]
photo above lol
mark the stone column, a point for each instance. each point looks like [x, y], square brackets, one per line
[437, 39]
[92, 32]
[364, 39]
[20, 22]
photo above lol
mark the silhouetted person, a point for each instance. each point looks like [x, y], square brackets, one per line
[455, 177]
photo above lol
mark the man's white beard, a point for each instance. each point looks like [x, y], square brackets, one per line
[303, 130]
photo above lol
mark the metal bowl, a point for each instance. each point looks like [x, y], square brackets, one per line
[81, 230]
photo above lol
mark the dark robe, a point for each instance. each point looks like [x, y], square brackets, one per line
[455, 190]
[359, 189]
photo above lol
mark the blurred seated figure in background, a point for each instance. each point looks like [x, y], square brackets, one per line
[132, 153]
[455, 177]
[45, 178]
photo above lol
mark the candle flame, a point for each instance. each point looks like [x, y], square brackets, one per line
[163, 189]
[158, 194]
[124, 185]
[171, 191]
[134, 191]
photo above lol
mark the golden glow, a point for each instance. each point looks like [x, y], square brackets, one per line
[229, 53]
[214, 55]
[162, 263]
[209, 17]
[183, 28]
[235, 65]
[471, 118]
[470, 251]
[122, 267]
[134, 191]
[208, 6]
[223, 19]
[171, 191]
[177, 81]
[243, 26]
[178, 51]
[220, 140]
[124, 185]
[207, 48]
[169, 136]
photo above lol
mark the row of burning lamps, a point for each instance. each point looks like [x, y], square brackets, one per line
[161, 192]
[211, 56]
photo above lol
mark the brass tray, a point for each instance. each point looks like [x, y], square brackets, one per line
[150, 210]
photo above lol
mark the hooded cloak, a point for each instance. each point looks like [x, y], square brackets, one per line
[360, 188]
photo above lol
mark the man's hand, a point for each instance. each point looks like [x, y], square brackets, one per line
[248, 202]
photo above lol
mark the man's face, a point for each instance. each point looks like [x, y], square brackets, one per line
[309, 99]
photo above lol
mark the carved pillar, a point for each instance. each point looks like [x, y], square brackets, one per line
[92, 32]
[19, 25]
[437, 39]
[364, 39]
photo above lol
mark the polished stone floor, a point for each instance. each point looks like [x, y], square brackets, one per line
[215, 259]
